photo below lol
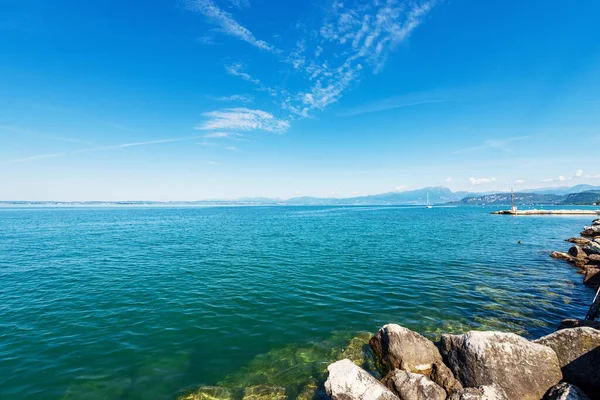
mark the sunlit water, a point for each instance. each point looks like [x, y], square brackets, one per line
[148, 303]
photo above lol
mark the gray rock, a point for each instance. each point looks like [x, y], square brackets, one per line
[347, 381]
[411, 386]
[443, 376]
[578, 352]
[593, 230]
[596, 222]
[594, 259]
[579, 240]
[524, 370]
[577, 252]
[592, 248]
[400, 348]
[576, 323]
[565, 391]
[592, 277]
[489, 392]
[562, 256]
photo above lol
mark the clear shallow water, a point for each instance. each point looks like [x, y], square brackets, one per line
[138, 303]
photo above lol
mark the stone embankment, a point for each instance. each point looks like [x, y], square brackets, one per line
[585, 253]
[475, 365]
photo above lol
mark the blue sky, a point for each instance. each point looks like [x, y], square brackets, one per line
[195, 99]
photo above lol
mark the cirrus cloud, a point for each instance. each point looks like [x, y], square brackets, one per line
[242, 119]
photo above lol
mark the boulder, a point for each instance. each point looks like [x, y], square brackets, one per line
[580, 241]
[596, 222]
[524, 370]
[575, 323]
[489, 392]
[577, 252]
[593, 230]
[591, 248]
[592, 276]
[400, 348]
[443, 376]
[578, 352]
[597, 240]
[562, 256]
[411, 386]
[347, 381]
[594, 259]
[565, 391]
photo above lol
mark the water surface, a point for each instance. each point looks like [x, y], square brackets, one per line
[139, 303]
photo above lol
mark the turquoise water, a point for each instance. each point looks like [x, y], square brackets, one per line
[148, 303]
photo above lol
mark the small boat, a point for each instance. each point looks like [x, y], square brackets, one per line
[428, 205]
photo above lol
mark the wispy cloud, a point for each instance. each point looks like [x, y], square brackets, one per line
[32, 133]
[238, 69]
[226, 23]
[579, 174]
[481, 181]
[409, 100]
[240, 3]
[214, 163]
[235, 97]
[232, 148]
[101, 148]
[242, 119]
[497, 144]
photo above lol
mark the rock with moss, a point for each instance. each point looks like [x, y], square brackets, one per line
[565, 391]
[347, 381]
[578, 351]
[209, 393]
[487, 392]
[411, 386]
[524, 370]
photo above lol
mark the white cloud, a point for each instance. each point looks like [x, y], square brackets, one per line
[217, 135]
[495, 144]
[481, 181]
[240, 3]
[227, 24]
[578, 174]
[214, 163]
[235, 97]
[242, 119]
[237, 69]
[561, 178]
[448, 180]
[232, 148]
[401, 188]
[519, 181]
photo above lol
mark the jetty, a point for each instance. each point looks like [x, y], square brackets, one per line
[547, 212]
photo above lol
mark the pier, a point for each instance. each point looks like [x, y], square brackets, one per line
[547, 212]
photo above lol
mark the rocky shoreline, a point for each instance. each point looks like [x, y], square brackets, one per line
[400, 364]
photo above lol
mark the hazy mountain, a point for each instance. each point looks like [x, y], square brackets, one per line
[563, 189]
[533, 199]
[437, 195]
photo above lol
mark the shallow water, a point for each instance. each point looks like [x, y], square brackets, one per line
[138, 303]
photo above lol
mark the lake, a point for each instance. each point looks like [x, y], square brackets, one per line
[150, 302]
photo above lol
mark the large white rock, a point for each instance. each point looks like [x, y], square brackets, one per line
[347, 381]
[523, 369]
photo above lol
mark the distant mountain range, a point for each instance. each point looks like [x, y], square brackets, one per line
[580, 194]
[581, 198]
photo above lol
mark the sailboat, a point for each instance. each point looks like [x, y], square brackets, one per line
[428, 205]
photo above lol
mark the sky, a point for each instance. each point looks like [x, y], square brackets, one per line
[217, 99]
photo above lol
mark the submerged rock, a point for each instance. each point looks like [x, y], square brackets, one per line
[411, 386]
[488, 392]
[209, 393]
[576, 323]
[264, 393]
[401, 348]
[578, 352]
[347, 381]
[524, 370]
[565, 391]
